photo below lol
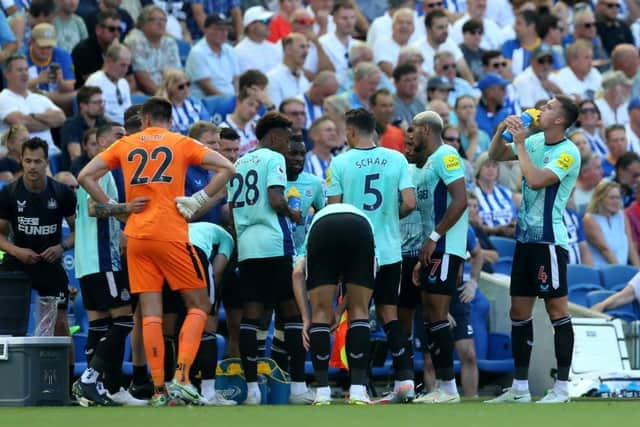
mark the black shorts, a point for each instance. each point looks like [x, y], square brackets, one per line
[266, 280]
[48, 279]
[172, 301]
[104, 291]
[539, 269]
[230, 291]
[387, 287]
[442, 275]
[409, 293]
[340, 248]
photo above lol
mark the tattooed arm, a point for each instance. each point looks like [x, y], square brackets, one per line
[119, 210]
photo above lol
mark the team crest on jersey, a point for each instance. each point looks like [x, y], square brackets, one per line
[124, 295]
[545, 160]
[308, 193]
[451, 162]
[21, 205]
[52, 203]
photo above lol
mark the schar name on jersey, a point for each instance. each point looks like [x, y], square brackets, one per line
[31, 226]
[371, 161]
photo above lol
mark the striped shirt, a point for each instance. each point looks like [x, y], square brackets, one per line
[188, 113]
[316, 166]
[496, 208]
[575, 230]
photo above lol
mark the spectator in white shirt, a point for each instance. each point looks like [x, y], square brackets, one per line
[613, 103]
[381, 27]
[115, 88]
[633, 127]
[387, 48]
[338, 43]
[19, 106]
[533, 85]
[254, 51]
[317, 59]
[321, 11]
[476, 9]
[579, 78]
[625, 58]
[438, 40]
[288, 79]
[243, 120]
[212, 64]
[324, 85]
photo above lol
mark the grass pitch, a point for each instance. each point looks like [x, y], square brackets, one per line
[468, 414]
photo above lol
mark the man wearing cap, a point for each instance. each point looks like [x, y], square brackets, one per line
[533, 84]
[255, 52]
[491, 108]
[615, 97]
[213, 65]
[439, 87]
[199, 10]
[633, 126]
[152, 51]
[56, 81]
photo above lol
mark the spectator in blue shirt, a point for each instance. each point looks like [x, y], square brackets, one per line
[491, 109]
[198, 10]
[7, 39]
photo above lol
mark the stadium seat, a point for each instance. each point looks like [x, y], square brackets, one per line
[503, 266]
[138, 98]
[493, 350]
[184, 48]
[55, 163]
[504, 245]
[578, 292]
[219, 106]
[615, 274]
[626, 313]
[595, 297]
[577, 273]
[618, 287]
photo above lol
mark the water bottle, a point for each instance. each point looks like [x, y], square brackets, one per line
[529, 117]
[295, 202]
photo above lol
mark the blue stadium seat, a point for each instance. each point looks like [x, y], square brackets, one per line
[619, 287]
[184, 48]
[504, 245]
[615, 274]
[138, 98]
[595, 297]
[626, 313]
[79, 342]
[578, 292]
[577, 273]
[219, 106]
[55, 163]
[493, 350]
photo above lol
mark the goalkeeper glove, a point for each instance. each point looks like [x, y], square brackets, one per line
[188, 206]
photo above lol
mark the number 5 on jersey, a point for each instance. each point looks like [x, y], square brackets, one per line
[369, 188]
[247, 185]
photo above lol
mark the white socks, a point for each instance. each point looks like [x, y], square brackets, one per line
[208, 388]
[449, 387]
[298, 387]
[520, 385]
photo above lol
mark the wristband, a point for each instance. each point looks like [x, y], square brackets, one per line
[434, 236]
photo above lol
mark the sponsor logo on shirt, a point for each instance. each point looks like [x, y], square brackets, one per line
[565, 161]
[329, 173]
[21, 205]
[31, 226]
[451, 162]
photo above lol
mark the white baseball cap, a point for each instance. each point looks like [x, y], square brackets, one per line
[255, 13]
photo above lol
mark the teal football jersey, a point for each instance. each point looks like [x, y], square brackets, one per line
[260, 231]
[416, 226]
[208, 236]
[370, 179]
[311, 191]
[443, 167]
[540, 214]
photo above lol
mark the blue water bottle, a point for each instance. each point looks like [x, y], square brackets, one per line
[295, 202]
[529, 116]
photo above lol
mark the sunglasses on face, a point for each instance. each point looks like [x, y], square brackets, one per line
[612, 5]
[304, 21]
[588, 110]
[588, 24]
[545, 60]
[432, 5]
[445, 67]
[184, 85]
[497, 65]
[451, 139]
[111, 28]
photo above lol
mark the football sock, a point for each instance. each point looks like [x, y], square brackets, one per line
[207, 358]
[189, 342]
[397, 341]
[154, 348]
[319, 335]
[295, 348]
[261, 337]
[110, 352]
[357, 346]
[169, 357]
[97, 330]
[441, 349]
[563, 340]
[278, 348]
[449, 386]
[522, 344]
[140, 375]
[249, 348]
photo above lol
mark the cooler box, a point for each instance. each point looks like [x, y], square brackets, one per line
[15, 300]
[34, 371]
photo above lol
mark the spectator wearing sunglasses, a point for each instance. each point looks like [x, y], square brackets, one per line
[445, 66]
[533, 84]
[199, 10]
[584, 28]
[472, 32]
[317, 60]
[185, 111]
[280, 25]
[477, 9]
[115, 88]
[612, 31]
[494, 62]
[88, 55]
[126, 22]
[255, 52]
[152, 51]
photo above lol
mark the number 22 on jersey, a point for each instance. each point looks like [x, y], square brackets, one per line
[161, 156]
